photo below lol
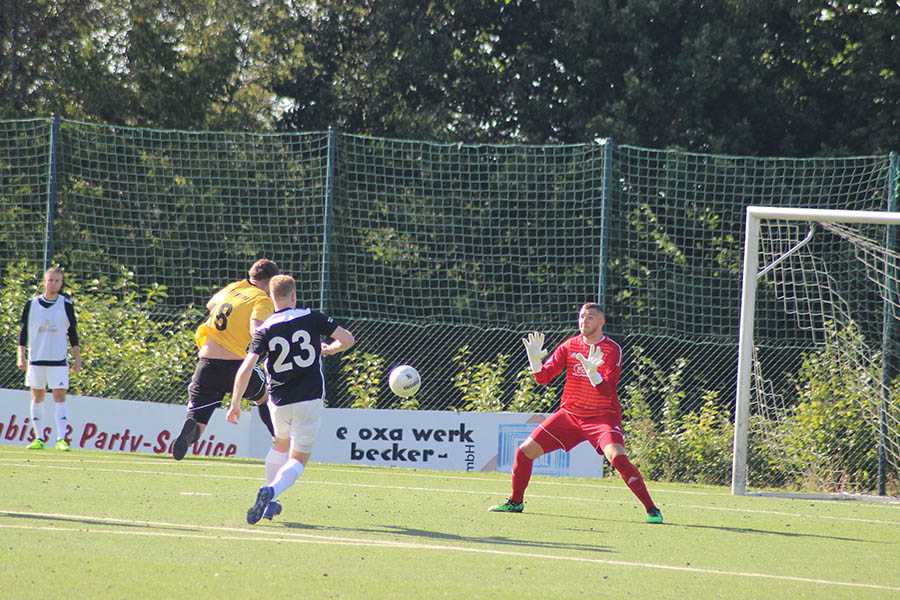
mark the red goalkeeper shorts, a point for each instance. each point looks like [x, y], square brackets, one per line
[562, 431]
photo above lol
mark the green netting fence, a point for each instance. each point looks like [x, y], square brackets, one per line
[437, 255]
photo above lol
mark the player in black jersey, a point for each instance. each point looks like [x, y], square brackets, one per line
[290, 340]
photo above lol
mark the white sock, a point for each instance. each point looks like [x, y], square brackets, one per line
[62, 420]
[287, 476]
[37, 418]
[274, 461]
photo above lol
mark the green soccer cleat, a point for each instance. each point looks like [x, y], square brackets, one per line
[508, 506]
[63, 445]
[37, 444]
[654, 516]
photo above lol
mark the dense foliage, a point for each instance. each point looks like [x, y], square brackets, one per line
[823, 436]
[826, 439]
[129, 351]
[740, 77]
[760, 77]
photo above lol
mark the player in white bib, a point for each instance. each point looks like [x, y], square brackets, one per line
[48, 327]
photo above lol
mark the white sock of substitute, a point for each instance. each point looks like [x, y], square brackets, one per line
[37, 418]
[62, 419]
[287, 476]
[274, 461]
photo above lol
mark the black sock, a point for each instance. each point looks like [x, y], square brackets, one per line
[188, 423]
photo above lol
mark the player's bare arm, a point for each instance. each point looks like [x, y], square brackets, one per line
[240, 386]
[76, 361]
[254, 325]
[342, 340]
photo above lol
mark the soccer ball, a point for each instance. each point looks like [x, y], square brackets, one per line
[404, 380]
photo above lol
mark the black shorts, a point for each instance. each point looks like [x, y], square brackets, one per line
[213, 378]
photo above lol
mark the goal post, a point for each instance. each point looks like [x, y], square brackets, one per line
[795, 265]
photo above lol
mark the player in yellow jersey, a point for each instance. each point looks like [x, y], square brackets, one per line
[235, 312]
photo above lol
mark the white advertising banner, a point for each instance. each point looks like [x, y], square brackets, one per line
[439, 440]
[442, 440]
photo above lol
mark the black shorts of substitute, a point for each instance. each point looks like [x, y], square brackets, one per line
[213, 378]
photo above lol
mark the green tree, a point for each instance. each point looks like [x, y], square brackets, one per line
[362, 372]
[759, 77]
[763, 77]
[130, 351]
[830, 434]
[189, 65]
[404, 69]
[42, 56]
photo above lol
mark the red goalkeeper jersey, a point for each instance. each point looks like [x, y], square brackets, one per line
[580, 398]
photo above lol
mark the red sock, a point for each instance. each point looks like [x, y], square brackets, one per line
[521, 475]
[633, 480]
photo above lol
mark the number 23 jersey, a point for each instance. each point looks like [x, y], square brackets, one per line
[291, 342]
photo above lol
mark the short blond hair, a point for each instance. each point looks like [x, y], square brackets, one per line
[53, 270]
[282, 286]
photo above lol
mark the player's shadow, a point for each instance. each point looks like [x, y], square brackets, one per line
[193, 458]
[790, 534]
[89, 521]
[452, 537]
[751, 530]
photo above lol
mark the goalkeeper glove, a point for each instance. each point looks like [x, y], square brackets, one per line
[534, 346]
[592, 363]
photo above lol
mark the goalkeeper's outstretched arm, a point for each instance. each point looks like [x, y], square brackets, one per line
[592, 363]
[534, 348]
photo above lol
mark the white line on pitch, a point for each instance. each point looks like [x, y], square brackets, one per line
[312, 481]
[295, 537]
[377, 470]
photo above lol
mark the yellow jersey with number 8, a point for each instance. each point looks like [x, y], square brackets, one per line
[235, 305]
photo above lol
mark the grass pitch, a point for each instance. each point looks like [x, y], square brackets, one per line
[107, 525]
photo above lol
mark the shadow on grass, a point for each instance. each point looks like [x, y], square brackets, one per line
[790, 534]
[449, 537]
[89, 521]
[193, 458]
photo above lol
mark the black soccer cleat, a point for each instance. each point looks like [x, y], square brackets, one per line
[190, 432]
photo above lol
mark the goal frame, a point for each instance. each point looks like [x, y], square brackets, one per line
[755, 216]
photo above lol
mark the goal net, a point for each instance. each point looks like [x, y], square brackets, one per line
[818, 392]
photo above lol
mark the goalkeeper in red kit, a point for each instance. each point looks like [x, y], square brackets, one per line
[589, 411]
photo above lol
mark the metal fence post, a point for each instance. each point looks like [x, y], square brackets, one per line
[890, 334]
[51, 191]
[605, 211]
[327, 222]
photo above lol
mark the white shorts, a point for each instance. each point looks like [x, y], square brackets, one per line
[299, 421]
[41, 377]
